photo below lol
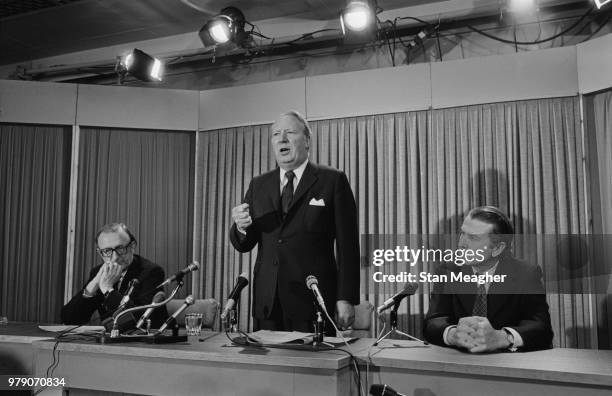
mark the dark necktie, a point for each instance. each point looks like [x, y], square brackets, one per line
[287, 194]
[480, 304]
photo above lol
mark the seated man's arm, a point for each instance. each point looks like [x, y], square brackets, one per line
[83, 304]
[534, 327]
[440, 315]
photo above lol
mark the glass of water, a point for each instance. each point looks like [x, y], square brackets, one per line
[193, 324]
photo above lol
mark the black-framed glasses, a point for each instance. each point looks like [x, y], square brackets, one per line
[120, 250]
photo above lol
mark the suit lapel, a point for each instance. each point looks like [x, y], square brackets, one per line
[500, 292]
[272, 186]
[309, 177]
[466, 291]
[132, 271]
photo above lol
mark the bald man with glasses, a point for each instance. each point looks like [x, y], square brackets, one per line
[108, 282]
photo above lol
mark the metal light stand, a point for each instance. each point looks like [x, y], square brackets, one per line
[394, 330]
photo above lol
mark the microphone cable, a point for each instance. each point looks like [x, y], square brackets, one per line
[352, 359]
[350, 352]
[61, 336]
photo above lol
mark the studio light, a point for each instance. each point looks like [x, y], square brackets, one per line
[358, 16]
[601, 3]
[522, 6]
[143, 66]
[227, 26]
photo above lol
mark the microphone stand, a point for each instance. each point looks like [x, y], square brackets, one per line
[394, 330]
[115, 335]
[230, 323]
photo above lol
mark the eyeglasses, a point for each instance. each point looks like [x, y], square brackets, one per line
[120, 250]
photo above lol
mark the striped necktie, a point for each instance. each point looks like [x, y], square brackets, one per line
[287, 194]
[480, 304]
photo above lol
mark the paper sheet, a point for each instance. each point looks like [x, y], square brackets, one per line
[77, 330]
[281, 337]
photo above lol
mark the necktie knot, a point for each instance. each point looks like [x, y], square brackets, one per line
[290, 175]
[287, 193]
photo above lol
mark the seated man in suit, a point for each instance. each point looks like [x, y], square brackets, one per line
[490, 316]
[109, 281]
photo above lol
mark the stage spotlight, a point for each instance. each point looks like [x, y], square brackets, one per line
[522, 6]
[225, 27]
[601, 3]
[143, 66]
[358, 16]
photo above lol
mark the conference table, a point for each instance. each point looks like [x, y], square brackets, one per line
[212, 365]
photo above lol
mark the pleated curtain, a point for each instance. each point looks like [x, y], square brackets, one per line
[598, 108]
[144, 179]
[415, 173]
[34, 188]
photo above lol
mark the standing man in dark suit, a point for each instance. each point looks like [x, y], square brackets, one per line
[109, 281]
[294, 214]
[482, 317]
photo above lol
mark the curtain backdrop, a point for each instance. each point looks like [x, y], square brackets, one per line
[415, 173]
[34, 187]
[599, 136]
[143, 179]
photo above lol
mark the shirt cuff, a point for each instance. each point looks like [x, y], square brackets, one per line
[445, 334]
[518, 340]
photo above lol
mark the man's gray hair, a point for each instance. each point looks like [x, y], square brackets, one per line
[300, 118]
[115, 227]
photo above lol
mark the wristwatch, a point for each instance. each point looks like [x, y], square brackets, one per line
[510, 338]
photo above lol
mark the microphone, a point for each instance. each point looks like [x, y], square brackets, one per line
[383, 390]
[179, 275]
[241, 282]
[311, 283]
[188, 301]
[134, 283]
[158, 297]
[399, 296]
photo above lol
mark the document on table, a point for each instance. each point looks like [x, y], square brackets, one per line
[292, 337]
[281, 337]
[75, 329]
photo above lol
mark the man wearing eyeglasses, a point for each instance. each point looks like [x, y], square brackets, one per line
[109, 281]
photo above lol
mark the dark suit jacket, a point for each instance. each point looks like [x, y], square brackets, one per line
[519, 302]
[79, 309]
[303, 243]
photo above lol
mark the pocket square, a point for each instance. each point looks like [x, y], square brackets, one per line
[317, 202]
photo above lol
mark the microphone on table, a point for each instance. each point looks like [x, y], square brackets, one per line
[311, 283]
[157, 298]
[179, 275]
[125, 322]
[383, 390]
[241, 282]
[397, 297]
[188, 301]
[134, 283]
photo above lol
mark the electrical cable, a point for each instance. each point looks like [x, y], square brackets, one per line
[309, 35]
[483, 33]
[350, 352]
[604, 23]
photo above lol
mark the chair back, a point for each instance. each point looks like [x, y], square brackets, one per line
[363, 321]
[207, 307]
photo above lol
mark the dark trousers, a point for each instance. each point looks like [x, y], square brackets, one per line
[279, 322]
